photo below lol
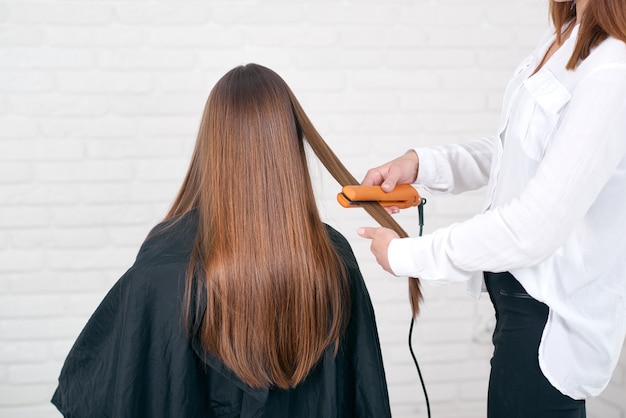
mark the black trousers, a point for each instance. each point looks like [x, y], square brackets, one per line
[517, 387]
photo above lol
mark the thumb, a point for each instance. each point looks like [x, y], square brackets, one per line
[391, 180]
[366, 232]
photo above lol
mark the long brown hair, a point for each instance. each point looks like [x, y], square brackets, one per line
[276, 291]
[602, 18]
[341, 174]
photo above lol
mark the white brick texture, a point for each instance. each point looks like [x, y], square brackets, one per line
[100, 101]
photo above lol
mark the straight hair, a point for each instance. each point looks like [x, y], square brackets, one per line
[341, 174]
[602, 18]
[276, 291]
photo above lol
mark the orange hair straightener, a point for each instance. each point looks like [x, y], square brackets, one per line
[403, 196]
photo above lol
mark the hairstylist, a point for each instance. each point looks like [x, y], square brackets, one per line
[549, 245]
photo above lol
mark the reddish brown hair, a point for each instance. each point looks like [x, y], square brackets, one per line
[602, 18]
[344, 178]
[276, 291]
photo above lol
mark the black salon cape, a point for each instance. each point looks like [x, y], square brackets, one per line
[134, 358]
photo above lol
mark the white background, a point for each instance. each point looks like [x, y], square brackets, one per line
[100, 101]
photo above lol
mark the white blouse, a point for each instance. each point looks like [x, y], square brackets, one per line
[555, 212]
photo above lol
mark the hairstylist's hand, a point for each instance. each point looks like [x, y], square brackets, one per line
[402, 170]
[381, 237]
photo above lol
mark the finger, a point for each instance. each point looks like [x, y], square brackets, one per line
[373, 178]
[389, 185]
[392, 179]
[366, 232]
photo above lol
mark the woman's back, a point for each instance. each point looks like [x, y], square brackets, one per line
[138, 358]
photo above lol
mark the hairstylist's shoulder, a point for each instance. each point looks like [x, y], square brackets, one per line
[609, 55]
[601, 77]
[615, 47]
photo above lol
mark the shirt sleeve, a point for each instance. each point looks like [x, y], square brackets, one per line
[456, 168]
[581, 158]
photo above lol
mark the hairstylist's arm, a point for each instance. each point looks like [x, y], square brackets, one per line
[402, 170]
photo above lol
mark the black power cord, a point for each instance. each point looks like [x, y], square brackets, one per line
[420, 211]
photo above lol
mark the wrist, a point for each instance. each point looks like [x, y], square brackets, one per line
[412, 155]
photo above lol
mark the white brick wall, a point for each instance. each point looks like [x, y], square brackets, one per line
[99, 106]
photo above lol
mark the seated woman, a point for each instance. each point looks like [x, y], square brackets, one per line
[241, 303]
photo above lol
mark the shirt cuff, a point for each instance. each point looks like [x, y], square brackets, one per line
[427, 171]
[400, 257]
